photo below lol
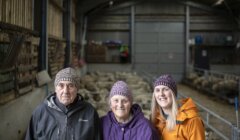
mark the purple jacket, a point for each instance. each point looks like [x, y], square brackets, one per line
[139, 128]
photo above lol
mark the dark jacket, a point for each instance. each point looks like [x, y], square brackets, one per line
[139, 128]
[51, 122]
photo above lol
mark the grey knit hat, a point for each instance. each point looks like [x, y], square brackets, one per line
[166, 80]
[67, 74]
[121, 88]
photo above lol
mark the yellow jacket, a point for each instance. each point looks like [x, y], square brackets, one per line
[189, 124]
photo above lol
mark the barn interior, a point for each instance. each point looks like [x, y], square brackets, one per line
[196, 41]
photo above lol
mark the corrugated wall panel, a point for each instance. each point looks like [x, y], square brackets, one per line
[165, 44]
[171, 68]
[151, 67]
[146, 36]
[146, 58]
[171, 57]
[104, 36]
[141, 47]
[173, 47]
[167, 7]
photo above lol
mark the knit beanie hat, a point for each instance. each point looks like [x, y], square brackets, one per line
[166, 80]
[67, 74]
[121, 88]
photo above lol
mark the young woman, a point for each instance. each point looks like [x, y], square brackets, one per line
[175, 120]
[125, 121]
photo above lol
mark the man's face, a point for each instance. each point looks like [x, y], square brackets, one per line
[66, 92]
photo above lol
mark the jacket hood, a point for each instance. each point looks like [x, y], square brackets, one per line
[136, 112]
[187, 110]
[138, 128]
[188, 124]
[50, 102]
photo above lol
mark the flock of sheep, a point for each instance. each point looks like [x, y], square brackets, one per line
[95, 87]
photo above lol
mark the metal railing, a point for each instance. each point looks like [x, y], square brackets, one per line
[234, 131]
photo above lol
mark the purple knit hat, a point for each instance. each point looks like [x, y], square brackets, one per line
[121, 88]
[166, 80]
[67, 74]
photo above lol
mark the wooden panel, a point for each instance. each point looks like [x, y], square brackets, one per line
[73, 21]
[7, 84]
[7, 97]
[96, 53]
[17, 12]
[1, 9]
[73, 31]
[26, 66]
[75, 54]
[6, 81]
[55, 22]
[56, 53]
[74, 4]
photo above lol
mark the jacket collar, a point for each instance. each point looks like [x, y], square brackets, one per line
[136, 114]
[187, 110]
[52, 102]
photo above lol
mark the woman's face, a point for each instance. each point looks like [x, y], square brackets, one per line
[120, 106]
[163, 96]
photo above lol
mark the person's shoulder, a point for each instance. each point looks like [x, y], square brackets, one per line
[106, 120]
[196, 119]
[87, 104]
[39, 108]
[143, 121]
[105, 117]
[147, 127]
[146, 122]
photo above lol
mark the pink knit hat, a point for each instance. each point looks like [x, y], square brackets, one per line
[121, 88]
[166, 80]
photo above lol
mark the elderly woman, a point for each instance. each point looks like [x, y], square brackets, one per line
[174, 121]
[125, 121]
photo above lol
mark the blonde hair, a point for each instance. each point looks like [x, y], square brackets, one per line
[171, 119]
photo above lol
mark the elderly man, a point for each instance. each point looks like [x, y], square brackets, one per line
[64, 114]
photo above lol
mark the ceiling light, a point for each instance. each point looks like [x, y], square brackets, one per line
[111, 3]
[219, 2]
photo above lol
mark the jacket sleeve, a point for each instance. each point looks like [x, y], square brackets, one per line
[196, 129]
[155, 134]
[98, 130]
[30, 131]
